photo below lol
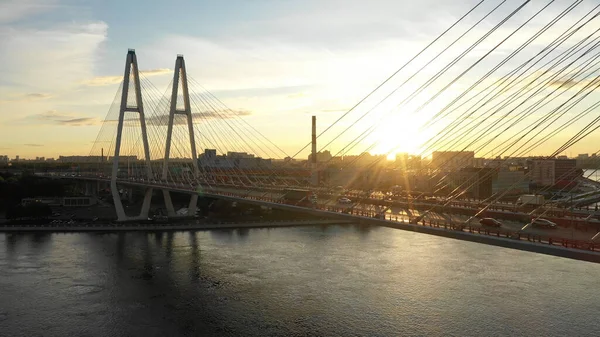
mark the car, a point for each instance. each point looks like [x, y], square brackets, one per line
[543, 223]
[491, 222]
[344, 200]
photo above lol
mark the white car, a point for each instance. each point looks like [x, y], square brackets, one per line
[344, 201]
[543, 223]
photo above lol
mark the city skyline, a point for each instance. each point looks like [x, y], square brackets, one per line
[326, 153]
[67, 56]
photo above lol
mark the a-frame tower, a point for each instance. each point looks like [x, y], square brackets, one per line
[131, 70]
[180, 77]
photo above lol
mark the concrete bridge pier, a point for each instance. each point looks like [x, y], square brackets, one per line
[145, 210]
[121, 215]
[146, 204]
[168, 203]
[192, 207]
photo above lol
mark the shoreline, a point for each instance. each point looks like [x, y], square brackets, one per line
[125, 227]
[505, 242]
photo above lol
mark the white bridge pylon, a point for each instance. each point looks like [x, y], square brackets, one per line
[179, 77]
[179, 74]
[131, 68]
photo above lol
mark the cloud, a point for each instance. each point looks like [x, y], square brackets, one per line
[27, 97]
[13, 10]
[34, 145]
[38, 96]
[336, 25]
[197, 117]
[79, 121]
[50, 59]
[591, 84]
[59, 118]
[159, 71]
[292, 91]
[334, 110]
[109, 80]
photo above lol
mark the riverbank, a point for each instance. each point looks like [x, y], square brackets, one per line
[140, 227]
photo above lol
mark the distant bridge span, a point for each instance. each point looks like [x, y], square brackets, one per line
[588, 251]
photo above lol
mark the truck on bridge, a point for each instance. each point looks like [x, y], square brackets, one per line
[299, 197]
[530, 201]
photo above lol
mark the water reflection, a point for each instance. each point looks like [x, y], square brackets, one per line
[243, 233]
[148, 271]
[194, 270]
[11, 244]
[346, 280]
[120, 246]
[222, 235]
[364, 230]
[169, 246]
[158, 237]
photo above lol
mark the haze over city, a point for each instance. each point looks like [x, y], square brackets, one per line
[277, 64]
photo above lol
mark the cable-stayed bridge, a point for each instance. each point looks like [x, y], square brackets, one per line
[507, 79]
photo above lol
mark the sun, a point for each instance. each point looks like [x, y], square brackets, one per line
[398, 135]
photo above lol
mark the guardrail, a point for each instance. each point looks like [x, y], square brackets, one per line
[549, 240]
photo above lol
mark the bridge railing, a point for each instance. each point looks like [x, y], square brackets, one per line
[242, 194]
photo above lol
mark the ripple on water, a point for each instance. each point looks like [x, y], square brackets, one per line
[23, 269]
[83, 289]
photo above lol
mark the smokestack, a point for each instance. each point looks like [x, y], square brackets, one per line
[314, 140]
[102, 156]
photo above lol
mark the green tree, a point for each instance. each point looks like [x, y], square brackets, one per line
[35, 210]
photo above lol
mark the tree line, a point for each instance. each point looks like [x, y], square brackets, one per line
[13, 188]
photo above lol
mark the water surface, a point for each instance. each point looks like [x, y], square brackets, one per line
[310, 281]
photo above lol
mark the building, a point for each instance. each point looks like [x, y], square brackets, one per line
[65, 201]
[78, 201]
[231, 154]
[210, 153]
[238, 160]
[404, 161]
[363, 160]
[542, 172]
[565, 171]
[510, 182]
[81, 159]
[472, 182]
[3, 160]
[452, 160]
[322, 157]
[554, 171]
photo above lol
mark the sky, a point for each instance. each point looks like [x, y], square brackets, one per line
[279, 61]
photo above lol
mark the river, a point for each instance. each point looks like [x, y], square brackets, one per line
[309, 281]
